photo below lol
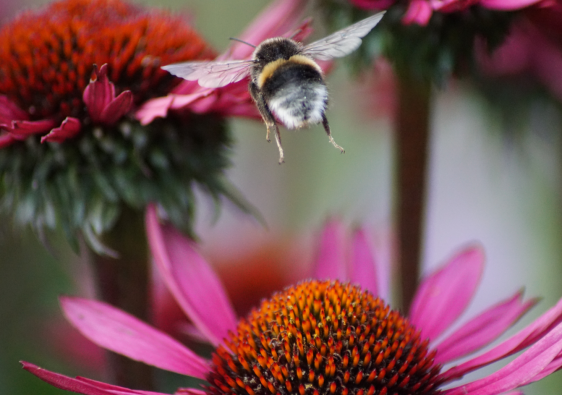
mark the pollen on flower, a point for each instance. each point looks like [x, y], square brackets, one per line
[324, 338]
[47, 56]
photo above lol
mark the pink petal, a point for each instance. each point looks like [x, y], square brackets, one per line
[98, 94]
[153, 109]
[68, 129]
[519, 341]
[507, 5]
[519, 371]
[124, 334]
[419, 11]
[552, 367]
[20, 130]
[363, 269]
[278, 18]
[483, 329]
[443, 296]
[373, 4]
[190, 279]
[80, 384]
[117, 108]
[9, 111]
[330, 260]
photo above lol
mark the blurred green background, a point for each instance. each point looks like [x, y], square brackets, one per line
[504, 194]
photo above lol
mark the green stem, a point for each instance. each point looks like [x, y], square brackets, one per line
[412, 146]
[124, 283]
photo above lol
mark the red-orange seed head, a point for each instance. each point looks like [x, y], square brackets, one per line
[47, 56]
[312, 362]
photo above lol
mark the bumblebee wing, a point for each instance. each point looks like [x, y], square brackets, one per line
[211, 74]
[343, 42]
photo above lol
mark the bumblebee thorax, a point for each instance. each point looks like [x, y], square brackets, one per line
[276, 48]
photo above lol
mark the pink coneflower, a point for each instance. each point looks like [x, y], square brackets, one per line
[420, 11]
[323, 336]
[532, 53]
[48, 57]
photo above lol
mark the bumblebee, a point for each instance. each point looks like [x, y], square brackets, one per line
[286, 83]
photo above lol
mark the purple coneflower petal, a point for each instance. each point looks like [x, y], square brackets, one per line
[507, 5]
[518, 342]
[117, 108]
[191, 280]
[443, 296]
[521, 371]
[100, 99]
[9, 111]
[330, 260]
[99, 93]
[483, 329]
[81, 385]
[419, 11]
[20, 130]
[124, 334]
[68, 129]
[363, 269]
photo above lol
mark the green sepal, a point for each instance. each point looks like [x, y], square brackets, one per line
[82, 185]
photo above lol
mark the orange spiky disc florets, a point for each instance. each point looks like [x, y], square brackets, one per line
[324, 338]
[47, 56]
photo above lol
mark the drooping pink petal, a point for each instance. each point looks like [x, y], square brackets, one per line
[98, 94]
[519, 371]
[68, 129]
[444, 295]
[419, 11]
[363, 266]
[9, 111]
[80, 384]
[20, 130]
[330, 259]
[507, 5]
[483, 329]
[373, 4]
[191, 280]
[117, 108]
[124, 334]
[516, 343]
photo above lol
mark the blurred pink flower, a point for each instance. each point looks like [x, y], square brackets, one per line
[440, 300]
[420, 11]
[532, 53]
[278, 19]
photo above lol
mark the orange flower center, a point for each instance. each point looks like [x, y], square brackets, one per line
[47, 56]
[324, 338]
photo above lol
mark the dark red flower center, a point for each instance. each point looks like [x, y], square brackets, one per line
[47, 56]
[324, 338]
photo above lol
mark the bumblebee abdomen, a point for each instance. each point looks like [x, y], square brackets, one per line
[296, 94]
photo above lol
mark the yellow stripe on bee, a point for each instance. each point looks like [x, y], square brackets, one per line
[270, 68]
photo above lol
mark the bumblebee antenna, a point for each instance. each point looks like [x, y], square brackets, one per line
[241, 41]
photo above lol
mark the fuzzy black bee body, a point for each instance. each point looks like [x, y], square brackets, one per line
[286, 83]
[288, 86]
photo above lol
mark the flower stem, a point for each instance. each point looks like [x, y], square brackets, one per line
[124, 283]
[412, 146]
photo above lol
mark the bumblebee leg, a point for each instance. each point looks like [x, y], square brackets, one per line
[278, 141]
[263, 109]
[330, 138]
